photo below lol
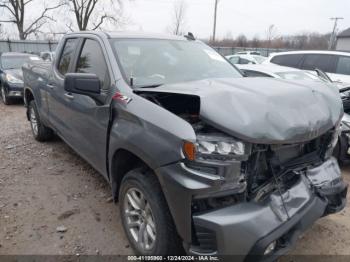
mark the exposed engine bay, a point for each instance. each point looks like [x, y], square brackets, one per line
[264, 169]
[184, 106]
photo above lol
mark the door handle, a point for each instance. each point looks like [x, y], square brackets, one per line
[69, 96]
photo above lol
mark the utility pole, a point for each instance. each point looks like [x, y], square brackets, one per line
[333, 36]
[215, 15]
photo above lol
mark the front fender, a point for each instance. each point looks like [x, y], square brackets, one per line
[152, 133]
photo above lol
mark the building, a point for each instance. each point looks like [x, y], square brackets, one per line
[343, 41]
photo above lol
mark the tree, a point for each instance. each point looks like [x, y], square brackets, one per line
[242, 41]
[271, 34]
[179, 16]
[91, 14]
[15, 13]
[255, 42]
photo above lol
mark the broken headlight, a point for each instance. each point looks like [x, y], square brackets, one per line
[345, 122]
[333, 142]
[214, 148]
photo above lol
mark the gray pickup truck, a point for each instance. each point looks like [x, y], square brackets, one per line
[202, 160]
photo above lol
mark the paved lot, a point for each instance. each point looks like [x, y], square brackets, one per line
[45, 186]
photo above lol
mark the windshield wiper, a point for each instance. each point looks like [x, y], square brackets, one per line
[149, 86]
[144, 86]
[323, 75]
[344, 89]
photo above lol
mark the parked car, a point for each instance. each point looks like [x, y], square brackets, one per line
[249, 53]
[201, 159]
[276, 71]
[47, 56]
[245, 59]
[341, 152]
[11, 77]
[335, 64]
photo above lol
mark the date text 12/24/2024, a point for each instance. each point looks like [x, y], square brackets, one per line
[173, 258]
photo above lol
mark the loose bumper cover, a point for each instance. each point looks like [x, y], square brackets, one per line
[247, 229]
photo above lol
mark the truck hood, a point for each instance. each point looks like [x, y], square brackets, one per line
[264, 110]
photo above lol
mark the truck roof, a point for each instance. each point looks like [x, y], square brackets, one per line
[126, 34]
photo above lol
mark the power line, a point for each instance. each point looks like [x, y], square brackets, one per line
[333, 36]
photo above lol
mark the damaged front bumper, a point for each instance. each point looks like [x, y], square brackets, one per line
[343, 150]
[252, 228]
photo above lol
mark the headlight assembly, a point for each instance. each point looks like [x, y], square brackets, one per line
[214, 148]
[12, 79]
[345, 121]
[334, 141]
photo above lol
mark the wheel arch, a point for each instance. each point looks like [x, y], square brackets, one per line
[28, 96]
[122, 162]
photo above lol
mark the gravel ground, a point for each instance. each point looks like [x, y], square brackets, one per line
[46, 188]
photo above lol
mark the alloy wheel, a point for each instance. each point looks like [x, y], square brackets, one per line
[33, 121]
[3, 95]
[139, 219]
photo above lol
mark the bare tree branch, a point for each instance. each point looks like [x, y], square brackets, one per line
[90, 14]
[271, 34]
[16, 13]
[180, 8]
[40, 21]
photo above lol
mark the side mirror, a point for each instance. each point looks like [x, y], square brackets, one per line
[83, 84]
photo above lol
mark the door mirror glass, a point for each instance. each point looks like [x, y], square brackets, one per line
[84, 84]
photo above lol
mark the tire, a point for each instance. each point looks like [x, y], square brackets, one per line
[40, 132]
[153, 215]
[5, 99]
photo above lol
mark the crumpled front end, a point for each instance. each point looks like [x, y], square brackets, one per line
[257, 204]
[259, 171]
[270, 226]
[264, 223]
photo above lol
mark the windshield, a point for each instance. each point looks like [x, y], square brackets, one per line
[296, 75]
[260, 59]
[16, 62]
[156, 62]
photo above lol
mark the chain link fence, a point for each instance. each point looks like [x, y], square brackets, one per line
[27, 46]
[37, 46]
[263, 51]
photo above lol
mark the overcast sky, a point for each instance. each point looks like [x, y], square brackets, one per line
[251, 17]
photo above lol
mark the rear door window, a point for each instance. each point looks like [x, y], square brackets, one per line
[234, 60]
[67, 55]
[343, 65]
[318, 61]
[292, 60]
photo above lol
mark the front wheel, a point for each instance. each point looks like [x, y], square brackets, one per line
[40, 132]
[145, 215]
[5, 99]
